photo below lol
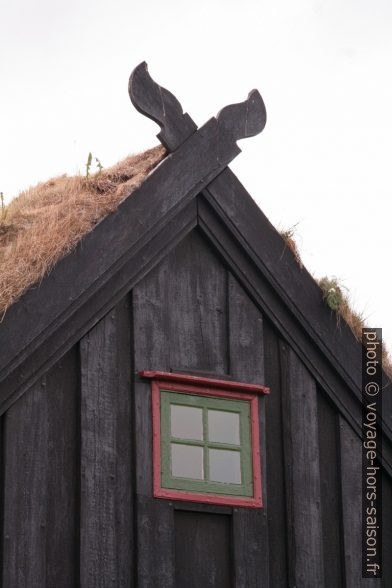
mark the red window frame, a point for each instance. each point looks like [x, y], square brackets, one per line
[203, 386]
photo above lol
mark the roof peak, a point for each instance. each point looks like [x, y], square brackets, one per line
[236, 121]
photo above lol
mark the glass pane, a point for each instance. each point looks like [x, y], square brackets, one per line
[225, 466]
[224, 427]
[186, 422]
[187, 461]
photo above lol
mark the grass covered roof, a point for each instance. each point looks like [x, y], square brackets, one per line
[45, 222]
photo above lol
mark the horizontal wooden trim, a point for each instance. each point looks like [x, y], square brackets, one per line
[207, 498]
[202, 381]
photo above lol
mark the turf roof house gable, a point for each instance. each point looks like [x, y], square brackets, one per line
[184, 184]
[192, 194]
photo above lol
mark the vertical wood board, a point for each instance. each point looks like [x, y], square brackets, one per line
[331, 514]
[301, 450]
[40, 482]
[106, 490]
[276, 490]
[351, 488]
[250, 528]
[203, 550]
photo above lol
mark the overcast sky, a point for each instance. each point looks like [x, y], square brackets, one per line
[323, 68]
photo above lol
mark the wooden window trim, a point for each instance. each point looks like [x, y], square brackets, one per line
[195, 385]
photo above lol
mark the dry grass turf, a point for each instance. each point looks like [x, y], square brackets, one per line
[338, 301]
[45, 222]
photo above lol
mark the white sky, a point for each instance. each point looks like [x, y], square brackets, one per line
[323, 69]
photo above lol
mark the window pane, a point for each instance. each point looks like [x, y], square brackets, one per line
[225, 466]
[224, 427]
[186, 422]
[187, 461]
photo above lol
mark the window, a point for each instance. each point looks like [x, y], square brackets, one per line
[206, 444]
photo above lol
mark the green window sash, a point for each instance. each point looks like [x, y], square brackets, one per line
[206, 403]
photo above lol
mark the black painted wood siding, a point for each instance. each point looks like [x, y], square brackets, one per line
[77, 505]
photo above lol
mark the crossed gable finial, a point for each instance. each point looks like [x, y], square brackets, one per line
[234, 122]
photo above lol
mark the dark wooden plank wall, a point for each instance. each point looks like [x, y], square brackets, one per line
[74, 475]
[67, 496]
[40, 527]
[190, 314]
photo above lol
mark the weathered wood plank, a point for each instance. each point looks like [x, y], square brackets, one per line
[40, 477]
[205, 540]
[196, 301]
[330, 491]
[155, 518]
[156, 555]
[250, 527]
[245, 335]
[180, 309]
[301, 450]
[25, 497]
[277, 521]
[250, 548]
[155, 523]
[351, 488]
[62, 389]
[106, 491]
